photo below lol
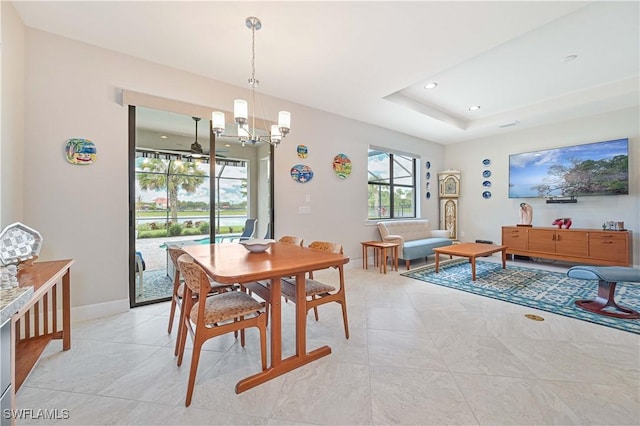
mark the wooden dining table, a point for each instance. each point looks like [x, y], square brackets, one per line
[231, 263]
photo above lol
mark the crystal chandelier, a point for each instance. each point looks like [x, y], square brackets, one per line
[248, 134]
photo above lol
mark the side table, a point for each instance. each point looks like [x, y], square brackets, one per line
[380, 254]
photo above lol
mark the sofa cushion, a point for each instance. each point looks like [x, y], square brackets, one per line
[422, 248]
[408, 229]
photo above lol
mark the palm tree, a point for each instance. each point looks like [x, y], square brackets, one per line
[157, 175]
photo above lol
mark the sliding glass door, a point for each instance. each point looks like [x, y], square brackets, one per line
[179, 196]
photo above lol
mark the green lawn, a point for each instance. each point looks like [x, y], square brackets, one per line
[161, 214]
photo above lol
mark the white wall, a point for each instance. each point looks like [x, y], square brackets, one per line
[71, 90]
[12, 117]
[482, 219]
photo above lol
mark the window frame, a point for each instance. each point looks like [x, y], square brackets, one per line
[414, 186]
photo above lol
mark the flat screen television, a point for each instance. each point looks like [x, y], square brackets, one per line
[600, 168]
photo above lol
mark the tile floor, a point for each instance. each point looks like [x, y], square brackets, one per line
[418, 354]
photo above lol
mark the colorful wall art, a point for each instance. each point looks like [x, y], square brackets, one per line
[342, 166]
[303, 151]
[301, 173]
[81, 151]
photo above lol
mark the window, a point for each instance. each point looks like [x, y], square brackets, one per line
[392, 185]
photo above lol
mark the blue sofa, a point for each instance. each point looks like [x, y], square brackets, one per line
[416, 239]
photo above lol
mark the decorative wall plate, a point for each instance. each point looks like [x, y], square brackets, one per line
[428, 195]
[303, 151]
[81, 151]
[486, 162]
[486, 183]
[486, 173]
[428, 175]
[18, 243]
[301, 173]
[486, 194]
[342, 166]
[428, 165]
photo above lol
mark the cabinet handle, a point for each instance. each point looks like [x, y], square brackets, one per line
[607, 242]
[557, 237]
[553, 237]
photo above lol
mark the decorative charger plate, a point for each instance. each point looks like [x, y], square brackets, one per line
[486, 173]
[301, 173]
[257, 245]
[18, 243]
[486, 162]
[342, 166]
[486, 194]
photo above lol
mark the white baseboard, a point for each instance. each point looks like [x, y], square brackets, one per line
[99, 310]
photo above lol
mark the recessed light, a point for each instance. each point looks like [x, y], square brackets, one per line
[474, 108]
[227, 145]
[163, 137]
[431, 85]
[569, 58]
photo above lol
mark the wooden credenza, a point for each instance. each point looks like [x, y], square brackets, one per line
[591, 246]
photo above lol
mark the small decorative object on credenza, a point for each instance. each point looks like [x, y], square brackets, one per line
[526, 214]
[18, 244]
[613, 226]
[563, 222]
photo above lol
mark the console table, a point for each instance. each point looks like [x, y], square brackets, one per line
[590, 246]
[36, 323]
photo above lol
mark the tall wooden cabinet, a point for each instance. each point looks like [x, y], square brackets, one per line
[591, 246]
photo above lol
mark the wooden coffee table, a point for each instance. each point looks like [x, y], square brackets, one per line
[471, 251]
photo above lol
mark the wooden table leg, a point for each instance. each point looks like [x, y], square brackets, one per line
[437, 262]
[472, 259]
[281, 366]
[384, 258]
[364, 256]
[66, 311]
[395, 257]
[504, 259]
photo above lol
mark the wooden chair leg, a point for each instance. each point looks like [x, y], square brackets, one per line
[242, 341]
[181, 327]
[183, 341]
[344, 318]
[195, 358]
[172, 313]
[315, 309]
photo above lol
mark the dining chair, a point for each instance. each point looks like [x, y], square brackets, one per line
[208, 317]
[261, 288]
[178, 291]
[318, 293]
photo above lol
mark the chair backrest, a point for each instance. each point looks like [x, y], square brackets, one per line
[174, 254]
[267, 234]
[249, 228]
[194, 276]
[326, 246]
[290, 239]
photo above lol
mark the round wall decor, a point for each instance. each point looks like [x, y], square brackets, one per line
[303, 151]
[81, 151]
[342, 166]
[301, 173]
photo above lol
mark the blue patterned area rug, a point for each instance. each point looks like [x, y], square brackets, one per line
[548, 291]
